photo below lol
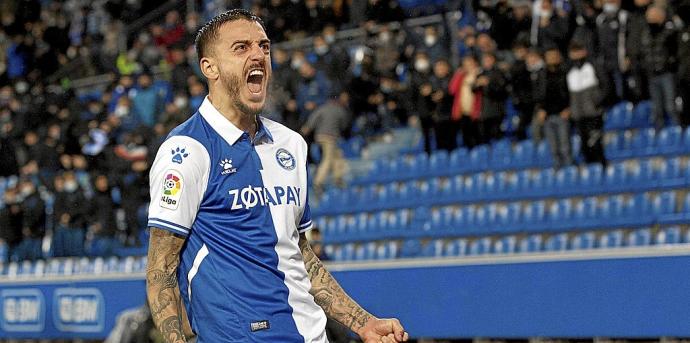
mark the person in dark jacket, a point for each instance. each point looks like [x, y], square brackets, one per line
[11, 217]
[33, 222]
[684, 61]
[659, 46]
[492, 84]
[521, 89]
[586, 89]
[69, 216]
[553, 108]
[612, 33]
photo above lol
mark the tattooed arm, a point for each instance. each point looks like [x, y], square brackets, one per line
[162, 290]
[340, 307]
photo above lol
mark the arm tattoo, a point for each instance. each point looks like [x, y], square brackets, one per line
[162, 290]
[328, 294]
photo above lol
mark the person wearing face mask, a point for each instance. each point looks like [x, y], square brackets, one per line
[553, 27]
[491, 84]
[147, 100]
[68, 216]
[433, 44]
[613, 33]
[586, 91]
[332, 60]
[33, 221]
[659, 47]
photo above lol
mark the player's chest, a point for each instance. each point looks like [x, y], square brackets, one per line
[246, 177]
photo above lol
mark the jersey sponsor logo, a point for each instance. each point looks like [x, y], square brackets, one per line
[250, 197]
[285, 159]
[260, 325]
[172, 190]
[178, 155]
[227, 166]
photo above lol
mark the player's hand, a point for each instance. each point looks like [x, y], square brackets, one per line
[383, 331]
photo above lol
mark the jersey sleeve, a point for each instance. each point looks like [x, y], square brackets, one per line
[305, 223]
[178, 181]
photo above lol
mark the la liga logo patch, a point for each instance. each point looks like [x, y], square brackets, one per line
[172, 190]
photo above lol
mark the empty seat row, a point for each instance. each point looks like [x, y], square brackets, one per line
[511, 244]
[648, 142]
[626, 116]
[75, 266]
[569, 214]
[631, 176]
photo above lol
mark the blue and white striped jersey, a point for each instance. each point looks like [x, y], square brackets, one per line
[241, 205]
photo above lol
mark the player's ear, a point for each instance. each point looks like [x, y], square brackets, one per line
[209, 68]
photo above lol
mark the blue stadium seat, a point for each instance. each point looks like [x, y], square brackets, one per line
[464, 220]
[480, 246]
[12, 270]
[586, 213]
[557, 242]
[112, 265]
[524, 182]
[458, 161]
[534, 215]
[544, 157]
[642, 115]
[618, 117]
[664, 203]
[434, 248]
[445, 190]
[524, 155]
[670, 141]
[505, 245]
[640, 238]
[411, 248]
[672, 173]
[543, 182]
[616, 178]
[686, 140]
[643, 142]
[531, 244]
[513, 219]
[417, 165]
[26, 268]
[612, 239]
[438, 163]
[456, 247]
[618, 145]
[386, 251]
[566, 179]
[668, 235]
[591, 178]
[561, 215]
[642, 175]
[479, 158]
[501, 153]
[585, 240]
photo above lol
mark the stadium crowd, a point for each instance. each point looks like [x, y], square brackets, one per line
[74, 166]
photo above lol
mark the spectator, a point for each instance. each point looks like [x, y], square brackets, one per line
[535, 67]
[612, 26]
[68, 236]
[553, 27]
[491, 85]
[313, 89]
[134, 187]
[521, 89]
[434, 44]
[101, 232]
[383, 11]
[585, 103]
[33, 222]
[332, 60]
[466, 103]
[553, 108]
[147, 101]
[11, 218]
[445, 130]
[659, 48]
[684, 61]
[327, 123]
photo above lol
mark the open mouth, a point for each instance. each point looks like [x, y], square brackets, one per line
[255, 80]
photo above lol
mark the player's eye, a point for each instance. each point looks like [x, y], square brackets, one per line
[266, 47]
[240, 47]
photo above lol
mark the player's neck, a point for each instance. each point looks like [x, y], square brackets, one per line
[242, 121]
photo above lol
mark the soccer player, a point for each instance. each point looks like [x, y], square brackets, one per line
[228, 259]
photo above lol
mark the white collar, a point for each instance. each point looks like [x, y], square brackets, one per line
[218, 122]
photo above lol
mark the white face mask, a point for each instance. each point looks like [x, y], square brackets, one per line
[71, 186]
[385, 37]
[121, 111]
[321, 50]
[546, 13]
[296, 63]
[180, 102]
[330, 39]
[430, 40]
[610, 8]
[421, 65]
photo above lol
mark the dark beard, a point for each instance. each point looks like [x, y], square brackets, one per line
[232, 84]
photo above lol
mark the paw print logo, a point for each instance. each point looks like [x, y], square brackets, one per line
[227, 166]
[179, 155]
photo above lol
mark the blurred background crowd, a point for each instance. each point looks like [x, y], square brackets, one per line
[89, 89]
